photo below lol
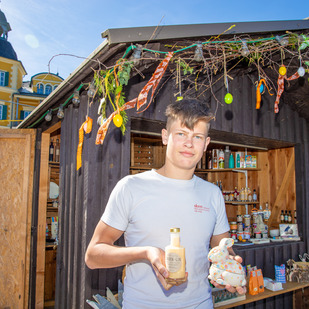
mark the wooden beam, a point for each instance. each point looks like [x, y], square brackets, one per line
[43, 193]
[53, 128]
[283, 188]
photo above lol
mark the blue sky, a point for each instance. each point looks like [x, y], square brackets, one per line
[44, 29]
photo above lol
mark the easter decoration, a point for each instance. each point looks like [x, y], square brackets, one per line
[228, 98]
[259, 91]
[195, 67]
[280, 83]
[224, 270]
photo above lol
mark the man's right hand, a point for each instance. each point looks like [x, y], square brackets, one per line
[156, 257]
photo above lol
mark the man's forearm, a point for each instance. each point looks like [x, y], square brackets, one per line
[109, 256]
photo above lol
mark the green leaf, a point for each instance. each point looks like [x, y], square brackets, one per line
[118, 89]
[304, 45]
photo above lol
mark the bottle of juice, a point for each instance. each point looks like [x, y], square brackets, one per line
[215, 160]
[175, 256]
[221, 159]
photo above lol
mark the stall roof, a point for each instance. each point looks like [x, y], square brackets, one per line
[141, 34]
[121, 36]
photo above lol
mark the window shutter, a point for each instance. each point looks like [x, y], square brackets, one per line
[22, 115]
[4, 112]
[6, 79]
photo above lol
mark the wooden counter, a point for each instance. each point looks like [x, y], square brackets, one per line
[287, 287]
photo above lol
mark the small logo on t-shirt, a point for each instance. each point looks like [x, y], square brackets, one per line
[200, 208]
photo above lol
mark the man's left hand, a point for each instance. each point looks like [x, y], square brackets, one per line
[239, 289]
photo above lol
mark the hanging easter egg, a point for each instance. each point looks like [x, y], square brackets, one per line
[282, 70]
[228, 98]
[179, 98]
[301, 71]
[117, 120]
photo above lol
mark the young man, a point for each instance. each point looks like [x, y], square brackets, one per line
[145, 206]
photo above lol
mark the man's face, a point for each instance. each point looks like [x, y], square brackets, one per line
[185, 147]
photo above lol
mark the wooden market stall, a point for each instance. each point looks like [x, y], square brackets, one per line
[279, 141]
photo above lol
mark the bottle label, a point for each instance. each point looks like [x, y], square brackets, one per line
[173, 262]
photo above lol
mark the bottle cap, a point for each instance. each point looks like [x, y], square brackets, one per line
[175, 230]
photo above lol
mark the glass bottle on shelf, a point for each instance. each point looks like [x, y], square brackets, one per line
[282, 217]
[220, 185]
[51, 151]
[254, 196]
[286, 217]
[267, 212]
[227, 154]
[290, 217]
[221, 159]
[295, 217]
[235, 194]
[209, 160]
[57, 151]
[231, 161]
[215, 160]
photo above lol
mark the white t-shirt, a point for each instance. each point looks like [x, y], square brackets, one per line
[145, 206]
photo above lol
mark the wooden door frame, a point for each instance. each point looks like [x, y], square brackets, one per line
[41, 228]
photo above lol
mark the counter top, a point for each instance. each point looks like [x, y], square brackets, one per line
[287, 287]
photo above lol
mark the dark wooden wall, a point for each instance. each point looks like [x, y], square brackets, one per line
[84, 193]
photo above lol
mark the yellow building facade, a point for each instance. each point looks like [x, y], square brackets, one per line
[19, 98]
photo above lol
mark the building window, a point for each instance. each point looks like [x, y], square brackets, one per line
[4, 78]
[40, 88]
[3, 112]
[24, 114]
[48, 89]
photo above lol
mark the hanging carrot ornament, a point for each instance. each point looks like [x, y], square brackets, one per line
[260, 91]
[85, 127]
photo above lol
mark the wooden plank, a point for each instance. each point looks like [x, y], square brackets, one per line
[53, 128]
[43, 194]
[50, 277]
[284, 185]
[16, 170]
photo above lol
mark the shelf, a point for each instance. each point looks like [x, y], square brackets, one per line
[287, 287]
[226, 170]
[51, 208]
[54, 163]
[241, 203]
[54, 247]
[146, 168]
[202, 170]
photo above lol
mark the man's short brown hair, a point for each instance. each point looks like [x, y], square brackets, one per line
[189, 112]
